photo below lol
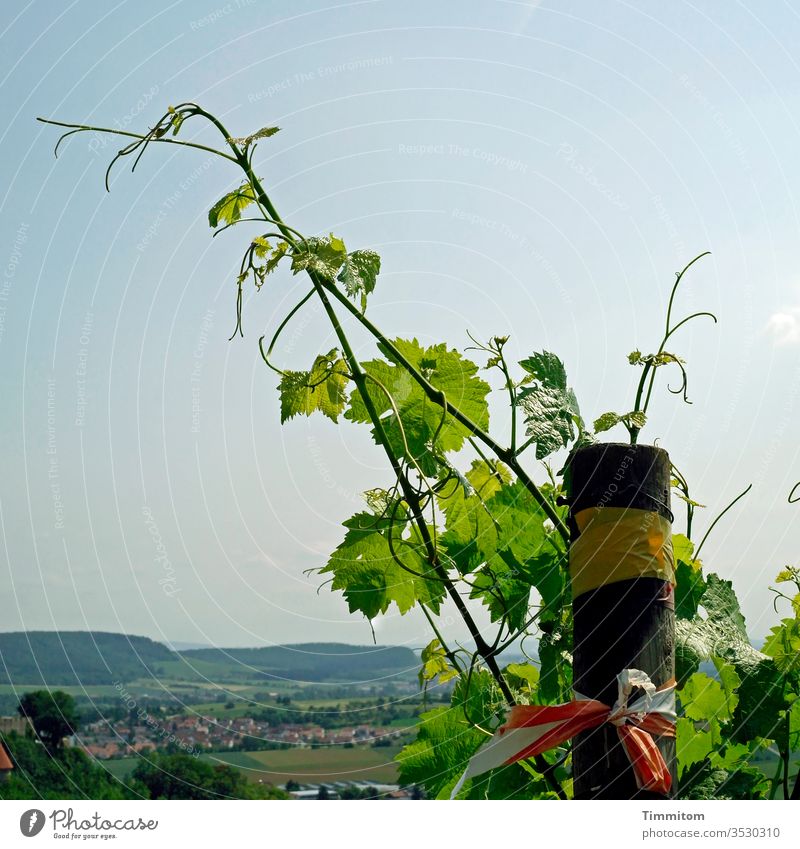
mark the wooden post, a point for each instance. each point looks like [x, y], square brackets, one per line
[629, 624]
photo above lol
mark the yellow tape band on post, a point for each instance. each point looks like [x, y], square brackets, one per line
[617, 544]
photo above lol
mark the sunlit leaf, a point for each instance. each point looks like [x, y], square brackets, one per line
[359, 273]
[703, 697]
[693, 746]
[322, 389]
[722, 633]
[549, 405]
[435, 663]
[263, 133]
[228, 209]
[320, 255]
[422, 431]
[365, 567]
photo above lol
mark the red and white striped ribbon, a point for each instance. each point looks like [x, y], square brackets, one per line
[532, 729]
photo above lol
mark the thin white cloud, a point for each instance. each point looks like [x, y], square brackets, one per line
[785, 326]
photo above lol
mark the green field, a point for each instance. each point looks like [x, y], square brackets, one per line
[121, 767]
[91, 690]
[313, 766]
[218, 709]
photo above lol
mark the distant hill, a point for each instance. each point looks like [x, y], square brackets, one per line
[314, 661]
[97, 657]
[78, 657]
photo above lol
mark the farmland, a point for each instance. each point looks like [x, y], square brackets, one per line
[303, 765]
[315, 766]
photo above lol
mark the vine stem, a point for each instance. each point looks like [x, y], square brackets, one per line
[507, 455]
[83, 128]
[323, 289]
[481, 646]
[451, 655]
[649, 367]
[711, 526]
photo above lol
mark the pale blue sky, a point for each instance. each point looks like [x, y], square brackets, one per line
[538, 169]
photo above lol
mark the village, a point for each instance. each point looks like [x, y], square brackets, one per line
[195, 734]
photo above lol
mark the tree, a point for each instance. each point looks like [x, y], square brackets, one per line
[69, 774]
[180, 776]
[53, 714]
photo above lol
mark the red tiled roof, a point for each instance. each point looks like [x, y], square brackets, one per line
[5, 760]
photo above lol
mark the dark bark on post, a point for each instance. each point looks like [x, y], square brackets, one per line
[629, 624]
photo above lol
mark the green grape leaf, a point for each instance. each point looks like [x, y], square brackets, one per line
[263, 133]
[545, 368]
[787, 574]
[686, 500]
[513, 781]
[359, 273]
[435, 662]
[692, 746]
[664, 358]
[499, 588]
[520, 521]
[549, 405]
[783, 646]
[526, 673]
[689, 587]
[447, 738]
[547, 572]
[322, 388]
[723, 634]
[228, 209]
[730, 681]
[471, 532]
[683, 548]
[370, 577]
[635, 419]
[261, 247]
[710, 782]
[503, 539]
[703, 697]
[176, 122]
[730, 756]
[438, 756]
[760, 702]
[422, 433]
[487, 478]
[606, 422]
[277, 255]
[479, 697]
[320, 255]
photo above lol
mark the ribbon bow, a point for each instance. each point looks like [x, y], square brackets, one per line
[532, 729]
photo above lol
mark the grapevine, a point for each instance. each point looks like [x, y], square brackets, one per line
[465, 520]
